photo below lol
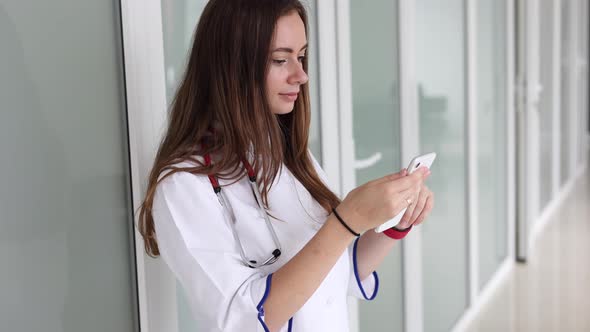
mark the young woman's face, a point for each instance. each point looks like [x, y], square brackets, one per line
[286, 75]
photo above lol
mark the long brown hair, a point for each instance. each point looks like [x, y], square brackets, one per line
[224, 84]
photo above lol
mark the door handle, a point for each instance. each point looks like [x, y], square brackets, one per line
[368, 162]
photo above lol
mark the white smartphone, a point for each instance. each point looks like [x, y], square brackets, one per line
[417, 162]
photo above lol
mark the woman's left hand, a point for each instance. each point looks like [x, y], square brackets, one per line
[419, 210]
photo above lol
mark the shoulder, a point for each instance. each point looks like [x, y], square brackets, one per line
[177, 182]
[184, 204]
[180, 171]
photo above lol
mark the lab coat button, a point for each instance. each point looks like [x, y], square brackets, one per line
[329, 300]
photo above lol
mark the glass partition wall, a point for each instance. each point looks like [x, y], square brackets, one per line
[443, 69]
[66, 243]
[376, 118]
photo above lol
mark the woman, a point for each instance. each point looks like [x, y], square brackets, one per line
[237, 206]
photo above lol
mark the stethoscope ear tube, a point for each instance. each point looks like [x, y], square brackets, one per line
[266, 218]
[229, 211]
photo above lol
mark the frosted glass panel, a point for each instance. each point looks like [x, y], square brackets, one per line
[491, 136]
[375, 85]
[565, 91]
[582, 109]
[546, 103]
[65, 211]
[179, 20]
[440, 69]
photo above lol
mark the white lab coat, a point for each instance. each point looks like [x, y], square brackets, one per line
[196, 242]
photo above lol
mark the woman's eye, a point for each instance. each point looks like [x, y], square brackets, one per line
[301, 58]
[279, 62]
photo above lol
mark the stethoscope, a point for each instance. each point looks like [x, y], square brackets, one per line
[225, 203]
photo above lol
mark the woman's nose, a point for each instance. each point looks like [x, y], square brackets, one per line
[299, 76]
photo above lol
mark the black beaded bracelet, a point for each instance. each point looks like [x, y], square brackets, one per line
[343, 223]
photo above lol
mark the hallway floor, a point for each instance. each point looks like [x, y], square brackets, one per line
[551, 292]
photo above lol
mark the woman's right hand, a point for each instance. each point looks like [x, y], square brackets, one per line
[377, 201]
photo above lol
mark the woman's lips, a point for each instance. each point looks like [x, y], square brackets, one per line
[289, 96]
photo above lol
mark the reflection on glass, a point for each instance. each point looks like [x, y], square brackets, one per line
[376, 134]
[491, 137]
[440, 68]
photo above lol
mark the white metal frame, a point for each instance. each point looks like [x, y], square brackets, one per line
[511, 125]
[519, 78]
[347, 151]
[556, 165]
[410, 146]
[328, 81]
[533, 92]
[146, 102]
[346, 146]
[532, 131]
[528, 92]
[584, 139]
[471, 130]
[573, 68]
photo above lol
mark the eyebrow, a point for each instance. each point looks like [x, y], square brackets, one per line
[288, 50]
